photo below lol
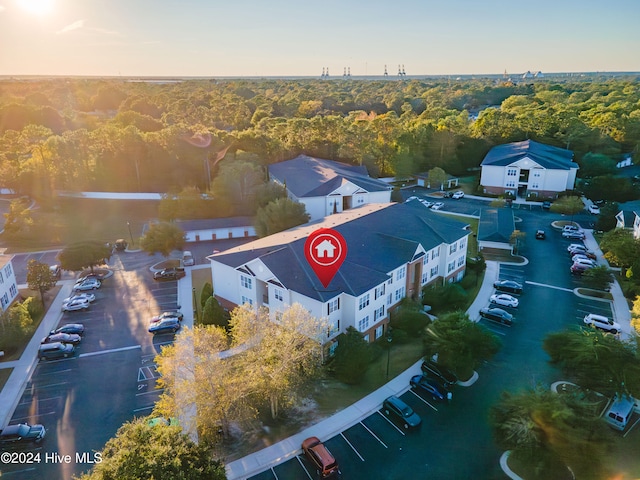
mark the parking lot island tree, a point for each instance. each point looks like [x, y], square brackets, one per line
[158, 450]
[86, 254]
[598, 278]
[552, 433]
[163, 238]
[567, 206]
[39, 277]
[460, 344]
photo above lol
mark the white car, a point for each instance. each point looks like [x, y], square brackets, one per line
[88, 284]
[426, 203]
[89, 297]
[594, 209]
[574, 235]
[602, 322]
[576, 248]
[411, 198]
[75, 305]
[504, 300]
[437, 206]
[571, 228]
[587, 262]
[457, 195]
[581, 256]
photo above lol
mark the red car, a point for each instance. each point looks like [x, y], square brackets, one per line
[324, 462]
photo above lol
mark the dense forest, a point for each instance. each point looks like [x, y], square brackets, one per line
[120, 135]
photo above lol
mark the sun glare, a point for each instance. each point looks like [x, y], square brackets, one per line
[36, 7]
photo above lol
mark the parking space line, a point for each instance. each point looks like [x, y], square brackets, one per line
[160, 390]
[143, 408]
[354, 448]
[35, 415]
[374, 435]
[549, 286]
[391, 423]
[50, 385]
[304, 468]
[6, 474]
[113, 350]
[274, 473]
[39, 400]
[57, 372]
[423, 400]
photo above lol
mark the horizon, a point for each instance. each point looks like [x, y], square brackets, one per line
[248, 39]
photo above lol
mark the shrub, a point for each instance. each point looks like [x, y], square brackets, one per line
[352, 357]
[447, 297]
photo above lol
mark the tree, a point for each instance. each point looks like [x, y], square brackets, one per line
[85, 254]
[635, 315]
[596, 164]
[16, 325]
[447, 297]
[598, 278]
[207, 291]
[611, 188]
[161, 452]
[18, 221]
[162, 238]
[607, 219]
[437, 178]
[39, 277]
[554, 431]
[567, 205]
[280, 214]
[620, 247]
[213, 313]
[517, 239]
[460, 343]
[352, 357]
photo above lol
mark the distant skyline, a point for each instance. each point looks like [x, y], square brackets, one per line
[212, 38]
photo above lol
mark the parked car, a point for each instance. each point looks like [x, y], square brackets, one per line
[583, 260]
[571, 228]
[508, 286]
[497, 315]
[578, 235]
[72, 338]
[457, 195]
[173, 273]
[426, 203]
[75, 305]
[412, 198]
[56, 271]
[172, 314]
[87, 284]
[540, 235]
[583, 253]
[121, 245]
[89, 297]
[166, 325]
[76, 328]
[594, 209]
[447, 194]
[187, 259]
[432, 369]
[577, 269]
[602, 322]
[504, 299]
[576, 246]
[395, 408]
[431, 387]
[21, 434]
[322, 459]
[437, 206]
[55, 350]
[579, 256]
[546, 205]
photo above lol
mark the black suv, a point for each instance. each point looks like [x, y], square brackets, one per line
[497, 315]
[53, 350]
[433, 370]
[169, 274]
[21, 434]
[396, 408]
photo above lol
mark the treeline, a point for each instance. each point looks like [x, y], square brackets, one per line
[115, 135]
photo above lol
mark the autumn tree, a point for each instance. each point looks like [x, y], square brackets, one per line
[39, 277]
[18, 221]
[162, 238]
[86, 254]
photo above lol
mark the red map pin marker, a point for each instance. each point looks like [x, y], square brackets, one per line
[325, 250]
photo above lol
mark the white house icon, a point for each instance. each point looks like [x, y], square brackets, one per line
[325, 249]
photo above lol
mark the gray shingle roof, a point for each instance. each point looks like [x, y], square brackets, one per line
[314, 177]
[377, 243]
[545, 155]
[496, 225]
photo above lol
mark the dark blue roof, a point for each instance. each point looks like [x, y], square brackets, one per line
[544, 155]
[496, 225]
[377, 243]
[314, 177]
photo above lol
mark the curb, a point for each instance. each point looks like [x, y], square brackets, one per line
[505, 467]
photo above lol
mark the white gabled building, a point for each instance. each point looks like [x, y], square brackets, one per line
[8, 285]
[326, 187]
[393, 251]
[528, 168]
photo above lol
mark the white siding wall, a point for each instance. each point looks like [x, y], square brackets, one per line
[556, 180]
[315, 206]
[220, 233]
[8, 285]
[493, 176]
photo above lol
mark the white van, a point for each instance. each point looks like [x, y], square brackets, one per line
[187, 259]
[620, 412]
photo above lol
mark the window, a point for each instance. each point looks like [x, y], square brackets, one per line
[463, 242]
[401, 273]
[7, 271]
[389, 299]
[1, 278]
[425, 277]
[13, 290]
[536, 173]
[5, 300]
[378, 314]
[451, 267]
[461, 261]
[278, 294]
[399, 294]
[333, 306]
[245, 281]
[512, 172]
[434, 271]
[332, 349]
[435, 253]
[452, 248]
[425, 259]
[247, 300]
[363, 324]
[379, 331]
[379, 292]
[363, 302]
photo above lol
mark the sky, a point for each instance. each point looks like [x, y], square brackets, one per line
[214, 38]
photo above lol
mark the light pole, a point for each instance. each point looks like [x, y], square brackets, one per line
[130, 234]
[389, 340]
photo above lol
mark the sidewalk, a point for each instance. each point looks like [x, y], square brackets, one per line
[290, 447]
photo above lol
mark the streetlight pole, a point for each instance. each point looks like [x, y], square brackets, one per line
[130, 234]
[389, 340]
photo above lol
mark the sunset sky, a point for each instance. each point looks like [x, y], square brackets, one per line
[299, 38]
